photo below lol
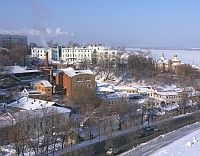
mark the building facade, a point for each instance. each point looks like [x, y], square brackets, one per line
[73, 80]
[41, 89]
[41, 53]
[89, 54]
[7, 40]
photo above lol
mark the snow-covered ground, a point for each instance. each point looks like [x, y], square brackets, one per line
[181, 142]
[185, 146]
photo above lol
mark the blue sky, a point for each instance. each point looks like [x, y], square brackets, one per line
[132, 23]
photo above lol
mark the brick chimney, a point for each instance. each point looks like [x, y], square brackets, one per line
[47, 60]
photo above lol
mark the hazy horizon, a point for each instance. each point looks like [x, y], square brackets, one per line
[138, 23]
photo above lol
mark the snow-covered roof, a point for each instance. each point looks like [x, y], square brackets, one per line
[144, 89]
[114, 95]
[124, 88]
[33, 104]
[45, 82]
[71, 72]
[171, 106]
[105, 89]
[167, 93]
[18, 69]
[55, 72]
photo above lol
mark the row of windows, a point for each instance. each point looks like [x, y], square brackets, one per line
[76, 51]
[86, 85]
[112, 53]
[13, 38]
[169, 97]
[42, 51]
[173, 97]
[74, 55]
[81, 79]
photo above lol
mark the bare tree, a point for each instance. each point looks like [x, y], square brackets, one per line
[18, 135]
[18, 54]
[197, 116]
[87, 100]
[106, 63]
[112, 141]
[5, 63]
[65, 132]
[132, 137]
[141, 66]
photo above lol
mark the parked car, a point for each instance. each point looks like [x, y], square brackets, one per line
[142, 134]
[112, 151]
[156, 129]
[148, 128]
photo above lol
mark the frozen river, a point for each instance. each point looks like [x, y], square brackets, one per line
[186, 56]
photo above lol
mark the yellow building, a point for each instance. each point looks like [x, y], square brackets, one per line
[41, 89]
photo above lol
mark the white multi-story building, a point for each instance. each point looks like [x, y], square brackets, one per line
[77, 54]
[89, 53]
[41, 53]
[7, 40]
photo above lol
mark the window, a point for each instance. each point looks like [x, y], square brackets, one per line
[79, 79]
[87, 79]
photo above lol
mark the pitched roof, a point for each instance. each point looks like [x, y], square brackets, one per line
[45, 82]
[34, 104]
[18, 69]
[71, 72]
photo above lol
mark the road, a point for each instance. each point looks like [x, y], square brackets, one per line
[125, 145]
